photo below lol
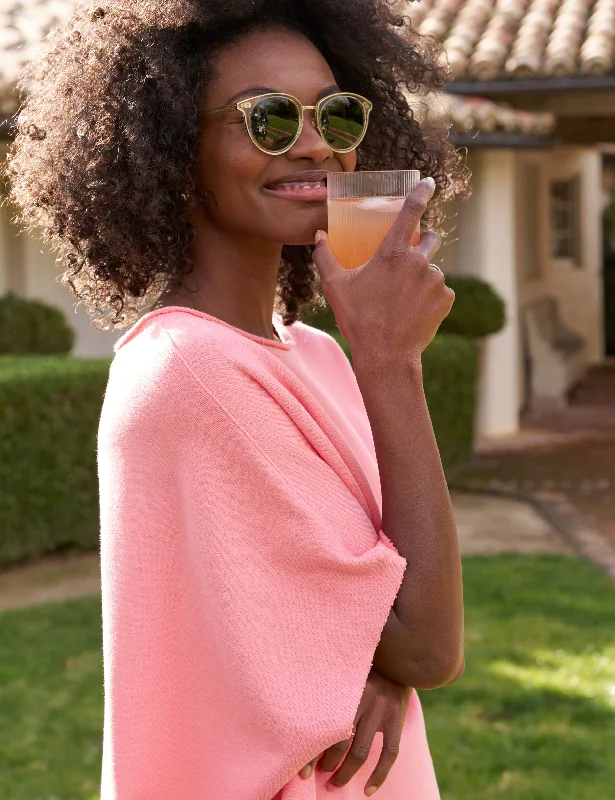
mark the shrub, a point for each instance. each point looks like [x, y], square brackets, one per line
[49, 413]
[31, 327]
[450, 376]
[477, 311]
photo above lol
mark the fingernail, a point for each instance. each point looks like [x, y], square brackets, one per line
[331, 787]
[429, 183]
[372, 790]
[318, 236]
[306, 771]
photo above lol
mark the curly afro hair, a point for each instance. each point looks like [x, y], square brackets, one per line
[109, 121]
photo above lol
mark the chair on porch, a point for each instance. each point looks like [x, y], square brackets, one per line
[557, 355]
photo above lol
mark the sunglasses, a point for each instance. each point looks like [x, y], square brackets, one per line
[275, 121]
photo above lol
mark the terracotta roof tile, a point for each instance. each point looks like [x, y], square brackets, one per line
[480, 35]
[484, 39]
[478, 114]
[487, 39]
[468, 114]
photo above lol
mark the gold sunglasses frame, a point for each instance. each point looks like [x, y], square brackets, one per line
[248, 104]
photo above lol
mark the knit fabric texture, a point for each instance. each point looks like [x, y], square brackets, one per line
[245, 576]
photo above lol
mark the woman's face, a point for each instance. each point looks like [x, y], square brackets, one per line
[232, 173]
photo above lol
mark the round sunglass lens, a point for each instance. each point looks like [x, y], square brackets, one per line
[343, 122]
[274, 122]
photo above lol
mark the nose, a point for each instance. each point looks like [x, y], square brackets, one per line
[310, 143]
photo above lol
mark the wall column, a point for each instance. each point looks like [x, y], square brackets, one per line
[488, 250]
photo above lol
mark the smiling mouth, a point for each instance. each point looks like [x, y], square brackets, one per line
[289, 186]
[307, 188]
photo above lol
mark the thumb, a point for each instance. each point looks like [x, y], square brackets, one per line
[326, 263]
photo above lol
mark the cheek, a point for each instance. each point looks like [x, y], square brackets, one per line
[229, 165]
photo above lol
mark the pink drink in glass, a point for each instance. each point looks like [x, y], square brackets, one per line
[357, 227]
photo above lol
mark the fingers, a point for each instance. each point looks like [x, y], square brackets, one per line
[391, 733]
[326, 263]
[333, 755]
[409, 217]
[428, 245]
[359, 751]
[307, 770]
[400, 255]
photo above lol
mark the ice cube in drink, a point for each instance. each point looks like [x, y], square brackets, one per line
[358, 226]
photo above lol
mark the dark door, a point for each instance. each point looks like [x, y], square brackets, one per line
[608, 227]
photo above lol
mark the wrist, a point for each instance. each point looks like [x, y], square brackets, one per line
[374, 363]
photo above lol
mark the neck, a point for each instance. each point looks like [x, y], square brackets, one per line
[234, 278]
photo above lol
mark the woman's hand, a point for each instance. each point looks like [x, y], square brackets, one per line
[383, 707]
[393, 304]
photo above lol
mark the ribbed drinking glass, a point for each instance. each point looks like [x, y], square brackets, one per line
[362, 208]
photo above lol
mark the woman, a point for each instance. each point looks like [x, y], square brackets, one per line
[258, 622]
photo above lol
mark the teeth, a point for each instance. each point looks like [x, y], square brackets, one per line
[299, 185]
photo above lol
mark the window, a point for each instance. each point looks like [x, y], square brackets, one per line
[565, 220]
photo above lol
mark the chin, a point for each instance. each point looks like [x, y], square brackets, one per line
[303, 234]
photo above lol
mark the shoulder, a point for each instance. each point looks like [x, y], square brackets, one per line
[172, 355]
[164, 362]
[163, 340]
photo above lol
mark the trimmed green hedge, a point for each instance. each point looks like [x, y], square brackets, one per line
[478, 309]
[49, 413]
[32, 327]
[451, 367]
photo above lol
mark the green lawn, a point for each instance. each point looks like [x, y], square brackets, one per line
[533, 718]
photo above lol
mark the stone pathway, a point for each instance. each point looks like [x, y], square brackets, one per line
[490, 525]
[49, 579]
[569, 481]
[487, 525]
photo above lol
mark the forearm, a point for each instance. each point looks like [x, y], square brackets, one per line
[423, 641]
[388, 658]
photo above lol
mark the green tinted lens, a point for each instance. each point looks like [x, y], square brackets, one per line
[274, 122]
[343, 122]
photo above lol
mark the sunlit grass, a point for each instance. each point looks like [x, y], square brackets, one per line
[533, 718]
[590, 675]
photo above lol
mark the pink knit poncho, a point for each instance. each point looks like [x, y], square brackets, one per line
[245, 577]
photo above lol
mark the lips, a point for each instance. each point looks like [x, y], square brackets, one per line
[310, 186]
